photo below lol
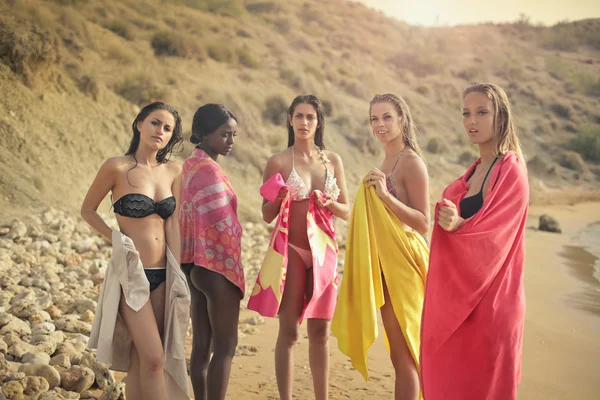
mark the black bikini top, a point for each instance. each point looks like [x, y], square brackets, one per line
[139, 206]
[470, 205]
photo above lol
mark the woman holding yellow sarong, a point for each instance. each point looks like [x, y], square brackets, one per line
[386, 257]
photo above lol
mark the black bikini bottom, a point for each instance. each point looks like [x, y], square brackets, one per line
[155, 276]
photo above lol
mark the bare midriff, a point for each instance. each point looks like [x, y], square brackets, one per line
[148, 235]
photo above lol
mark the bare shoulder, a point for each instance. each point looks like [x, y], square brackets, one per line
[334, 158]
[174, 167]
[411, 164]
[117, 164]
[280, 159]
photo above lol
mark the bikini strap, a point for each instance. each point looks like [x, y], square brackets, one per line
[396, 162]
[486, 175]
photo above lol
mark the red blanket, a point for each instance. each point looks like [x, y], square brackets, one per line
[473, 315]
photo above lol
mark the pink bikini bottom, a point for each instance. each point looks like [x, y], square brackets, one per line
[305, 254]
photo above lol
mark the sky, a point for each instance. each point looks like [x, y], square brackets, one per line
[460, 12]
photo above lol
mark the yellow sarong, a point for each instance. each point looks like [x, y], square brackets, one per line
[379, 246]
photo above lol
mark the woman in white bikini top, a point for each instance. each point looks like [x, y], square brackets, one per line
[303, 163]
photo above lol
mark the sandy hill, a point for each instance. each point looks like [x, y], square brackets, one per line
[73, 74]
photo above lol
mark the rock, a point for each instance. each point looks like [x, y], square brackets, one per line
[72, 323]
[17, 230]
[75, 352]
[104, 376]
[87, 316]
[45, 371]
[82, 305]
[116, 391]
[55, 312]
[83, 246]
[246, 350]
[24, 308]
[258, 320]
[3, 347]
[43, 328]
[17, 326]
[41, 316]
[6, 376]
[61, 360]
[549, 224]
[36, 358]
[34, 386]
[87, 395]
[13, 390]
[4, 365]
[11, 338]
[5, 318]
[59, 394]
[77, 379]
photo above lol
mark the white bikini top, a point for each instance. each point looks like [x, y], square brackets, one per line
[299, 190]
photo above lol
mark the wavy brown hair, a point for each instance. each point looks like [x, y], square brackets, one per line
[407, 125]
[505, 137]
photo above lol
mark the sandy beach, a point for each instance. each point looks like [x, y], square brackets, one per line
[561, 347]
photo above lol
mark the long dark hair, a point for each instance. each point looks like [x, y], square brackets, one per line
[175, 145]
[207, 119]
[316, 103]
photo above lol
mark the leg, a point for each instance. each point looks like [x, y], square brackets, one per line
[407, 377]
[290, 312]
[201, 340]
[318, 348]
[223, 299]
[148, 346]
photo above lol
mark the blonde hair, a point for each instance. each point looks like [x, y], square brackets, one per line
[505, 134]
[407, 125]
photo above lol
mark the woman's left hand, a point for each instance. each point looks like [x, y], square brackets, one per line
[376, 178]
[448, 217]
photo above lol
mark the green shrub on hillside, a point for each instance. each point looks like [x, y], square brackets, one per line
[120, 28]
[275, 110]
[247, 59]
[221, 52]
[562, 110]
[587, 143]
[230, 8]
[173, 44]
[140, 90]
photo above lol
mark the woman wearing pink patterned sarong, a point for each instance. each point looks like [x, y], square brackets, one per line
[210, 251]
[298, 278]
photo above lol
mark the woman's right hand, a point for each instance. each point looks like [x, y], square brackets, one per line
[282, 193]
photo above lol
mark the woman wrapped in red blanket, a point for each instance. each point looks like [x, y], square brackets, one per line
[473, 315]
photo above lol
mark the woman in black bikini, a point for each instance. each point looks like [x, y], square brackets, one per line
[146, 185]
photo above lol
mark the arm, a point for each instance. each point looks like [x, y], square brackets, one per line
[339, 208]
[103, 183]
[413, 176]
[270, 210]
[172, 233]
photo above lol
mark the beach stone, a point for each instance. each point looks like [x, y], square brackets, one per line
[5, 318]
[59, 394]
[17, 326]
[45, 371]
[36, 358]
[17, 230]
[75, 352]
[549, 224]
[103, 375]
[82, 305]
[77, 379]
[6, 376]
[11, 338]
[43, 328]
[87, 395]
[116, 391]
[258, 320]
[33, 386]
[55, 312]
[3, 347]
[13, 390]
[72, 323]
[61, 360]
